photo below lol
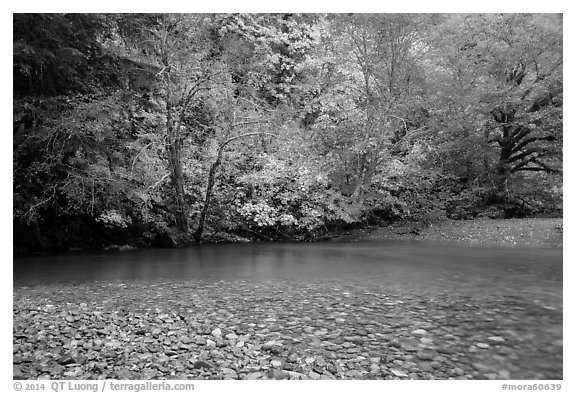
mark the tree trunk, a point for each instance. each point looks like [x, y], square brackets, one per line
[176, 172]
[501, 181]
[504, 116]
[212, 179]
[208, 196]
[177, 180]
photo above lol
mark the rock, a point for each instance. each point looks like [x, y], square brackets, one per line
[292, 358]
[481, 367]
[482, 345]
[294, 375]
[231, 336]
[254, 375]
[497, 339]
[210, 343]
[399, 373]
[66, 359]
[216, 332]
[239, 344]
[355, 374]
[277, 374]
[313, 375]
[435, 364]
[445, 350]
[124, 374]
[276, 363]
[230, 373]
[269, 345]
[419, 331]
[202, 364]
[425, 355]
[394, 343]
[71, 374]
[273, 346]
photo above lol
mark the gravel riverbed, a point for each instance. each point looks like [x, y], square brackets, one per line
[278, 329]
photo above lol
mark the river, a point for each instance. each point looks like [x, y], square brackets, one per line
[533, 272]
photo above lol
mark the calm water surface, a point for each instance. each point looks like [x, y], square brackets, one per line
[529, 271]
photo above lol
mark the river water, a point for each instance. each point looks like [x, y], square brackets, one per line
[533, 272]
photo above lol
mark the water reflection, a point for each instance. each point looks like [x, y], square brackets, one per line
[394, 263]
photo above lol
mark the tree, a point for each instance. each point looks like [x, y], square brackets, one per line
[57, 53]
[377, 87]
[514, 67]
[178, 46]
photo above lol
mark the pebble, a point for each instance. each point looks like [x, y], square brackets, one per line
[277, 374]
[216, 332]
[109, 340]
[399, 373]
[230, 372]
[254, 375]
[423, 355]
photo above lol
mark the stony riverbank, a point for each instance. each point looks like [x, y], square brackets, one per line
[280, 330]
[525, 232]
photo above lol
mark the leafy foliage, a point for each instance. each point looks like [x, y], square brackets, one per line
[146, 128]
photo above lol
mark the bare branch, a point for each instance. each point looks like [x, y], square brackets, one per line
[136, 158]
[37, 205]
[158, 182]
[231, 139]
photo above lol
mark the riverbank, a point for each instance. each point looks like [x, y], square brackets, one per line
[525, 232]
[307, 328]
[280, 330]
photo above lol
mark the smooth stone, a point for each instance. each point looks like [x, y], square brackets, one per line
[399, 373]
[216, 332]
[254, 375]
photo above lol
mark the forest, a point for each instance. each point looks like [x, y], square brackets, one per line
[175, 129]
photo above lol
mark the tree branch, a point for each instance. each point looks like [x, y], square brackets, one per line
[526, 142]
[231, 139]
[519, 133]
[537, 150]
[158, 182]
